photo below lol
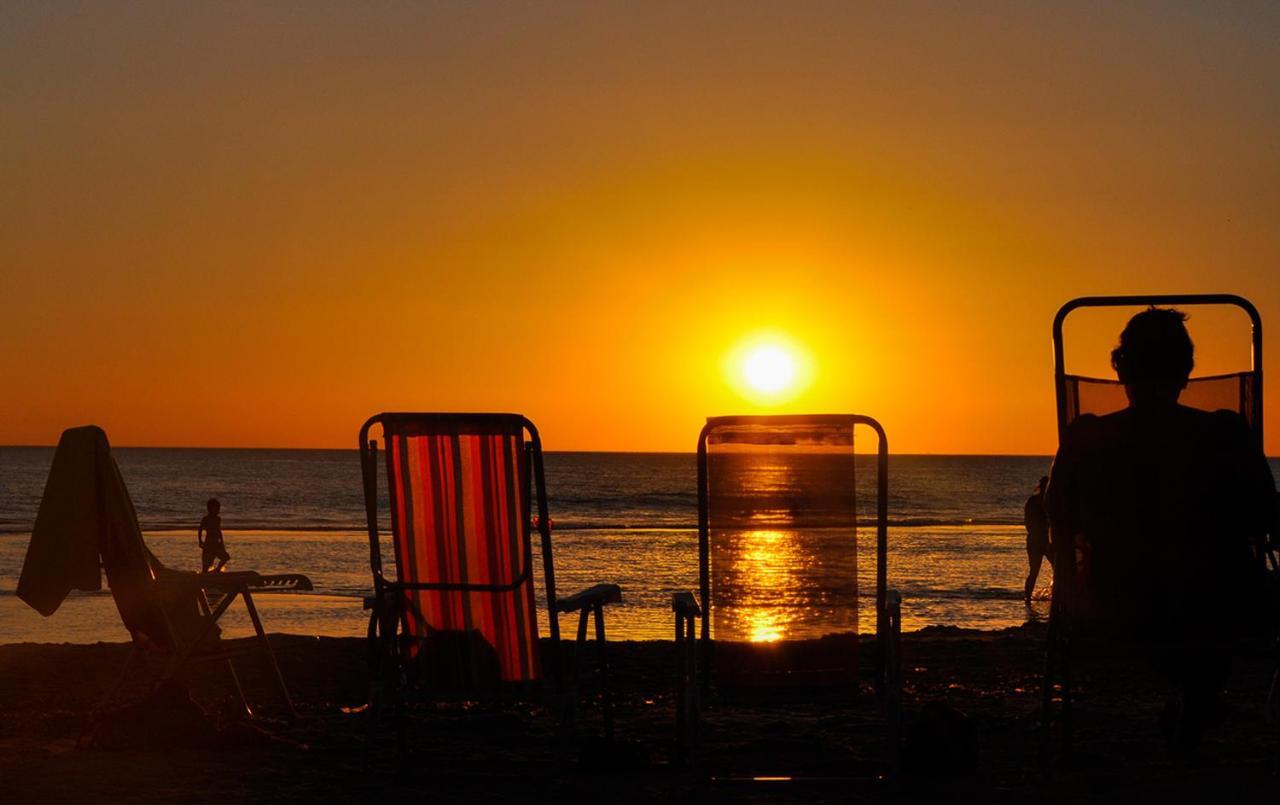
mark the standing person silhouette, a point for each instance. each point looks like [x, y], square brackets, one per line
[1165, 505]
[1036, 520]
[209, 537]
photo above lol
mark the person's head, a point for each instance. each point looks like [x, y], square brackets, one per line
[1042, 483]
[1155, 356]
[213, 506]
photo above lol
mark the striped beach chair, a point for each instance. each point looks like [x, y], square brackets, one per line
[459, 617]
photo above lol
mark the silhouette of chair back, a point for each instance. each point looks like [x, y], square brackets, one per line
[780, 531]
[778, 542]
[1239, 391]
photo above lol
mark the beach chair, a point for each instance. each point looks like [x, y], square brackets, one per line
[86, 525]
[779, 597]
[458, 619]
[1239, 391]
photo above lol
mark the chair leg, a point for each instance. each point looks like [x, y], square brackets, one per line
[1067, 714]
[605, 688]
[1273, 712]
[268, 654]
[1046, 705]
[379, 650]
[686, 686]
[691, 671]
[570, 703]
[245, 709]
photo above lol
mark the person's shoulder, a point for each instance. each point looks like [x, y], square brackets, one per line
[1228, 425]
[1223, 420]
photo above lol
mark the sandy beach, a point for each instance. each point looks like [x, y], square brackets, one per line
[483, 752]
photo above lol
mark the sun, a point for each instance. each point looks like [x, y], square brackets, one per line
[769, 369]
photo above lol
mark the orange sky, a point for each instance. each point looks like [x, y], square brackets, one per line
[257, 226]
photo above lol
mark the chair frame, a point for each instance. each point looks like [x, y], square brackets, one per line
[1059, 353]
[228, 586]
[183, 653]
[1059, 637]
[387, 618]
[688, 611]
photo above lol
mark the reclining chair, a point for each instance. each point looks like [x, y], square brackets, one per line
[86, 525]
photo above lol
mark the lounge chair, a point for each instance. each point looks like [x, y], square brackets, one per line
[1074, 624]
[778, 600]
[458, 619]
[87, 525]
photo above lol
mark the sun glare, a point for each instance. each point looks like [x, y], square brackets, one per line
[769, 368]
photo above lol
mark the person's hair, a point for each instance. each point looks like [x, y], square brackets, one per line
[213, 504]
[1155, 346]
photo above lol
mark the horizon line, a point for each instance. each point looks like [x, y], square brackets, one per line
[604, 451]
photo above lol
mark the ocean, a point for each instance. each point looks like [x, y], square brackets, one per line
[956, 542]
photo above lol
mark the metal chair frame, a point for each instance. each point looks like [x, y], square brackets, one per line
[694, 684]
[388, 617]
[1059, 648]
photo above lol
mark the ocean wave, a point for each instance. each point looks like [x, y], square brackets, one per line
[904, 522]
[656, 524]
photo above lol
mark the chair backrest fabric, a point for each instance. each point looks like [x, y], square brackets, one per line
[1230, 392]
[460, 520]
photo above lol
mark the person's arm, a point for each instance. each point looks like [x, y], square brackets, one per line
[1255, 483]
[200, 534]
[1062, 495]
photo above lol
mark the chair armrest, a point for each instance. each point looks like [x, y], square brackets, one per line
[590, 597]
[685, 605]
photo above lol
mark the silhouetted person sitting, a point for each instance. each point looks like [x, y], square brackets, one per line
[1036, 519]
[209, 536]
[1165, 505]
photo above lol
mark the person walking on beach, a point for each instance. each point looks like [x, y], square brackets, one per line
[209, 536]
[1037, 522]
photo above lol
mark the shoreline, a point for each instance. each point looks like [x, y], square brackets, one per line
[933, 631]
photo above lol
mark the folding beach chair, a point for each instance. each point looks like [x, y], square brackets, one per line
[1239, 391]
[87, 525]
[779, 598]
[459, 617]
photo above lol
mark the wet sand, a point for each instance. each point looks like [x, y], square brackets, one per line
[475, 752]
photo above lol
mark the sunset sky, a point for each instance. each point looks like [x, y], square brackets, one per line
[257, 224]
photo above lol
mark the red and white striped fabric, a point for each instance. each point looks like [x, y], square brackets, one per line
[460, 517]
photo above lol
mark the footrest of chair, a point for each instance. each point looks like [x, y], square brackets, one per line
[599, 594]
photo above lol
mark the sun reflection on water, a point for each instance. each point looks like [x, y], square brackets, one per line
[778, 584]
